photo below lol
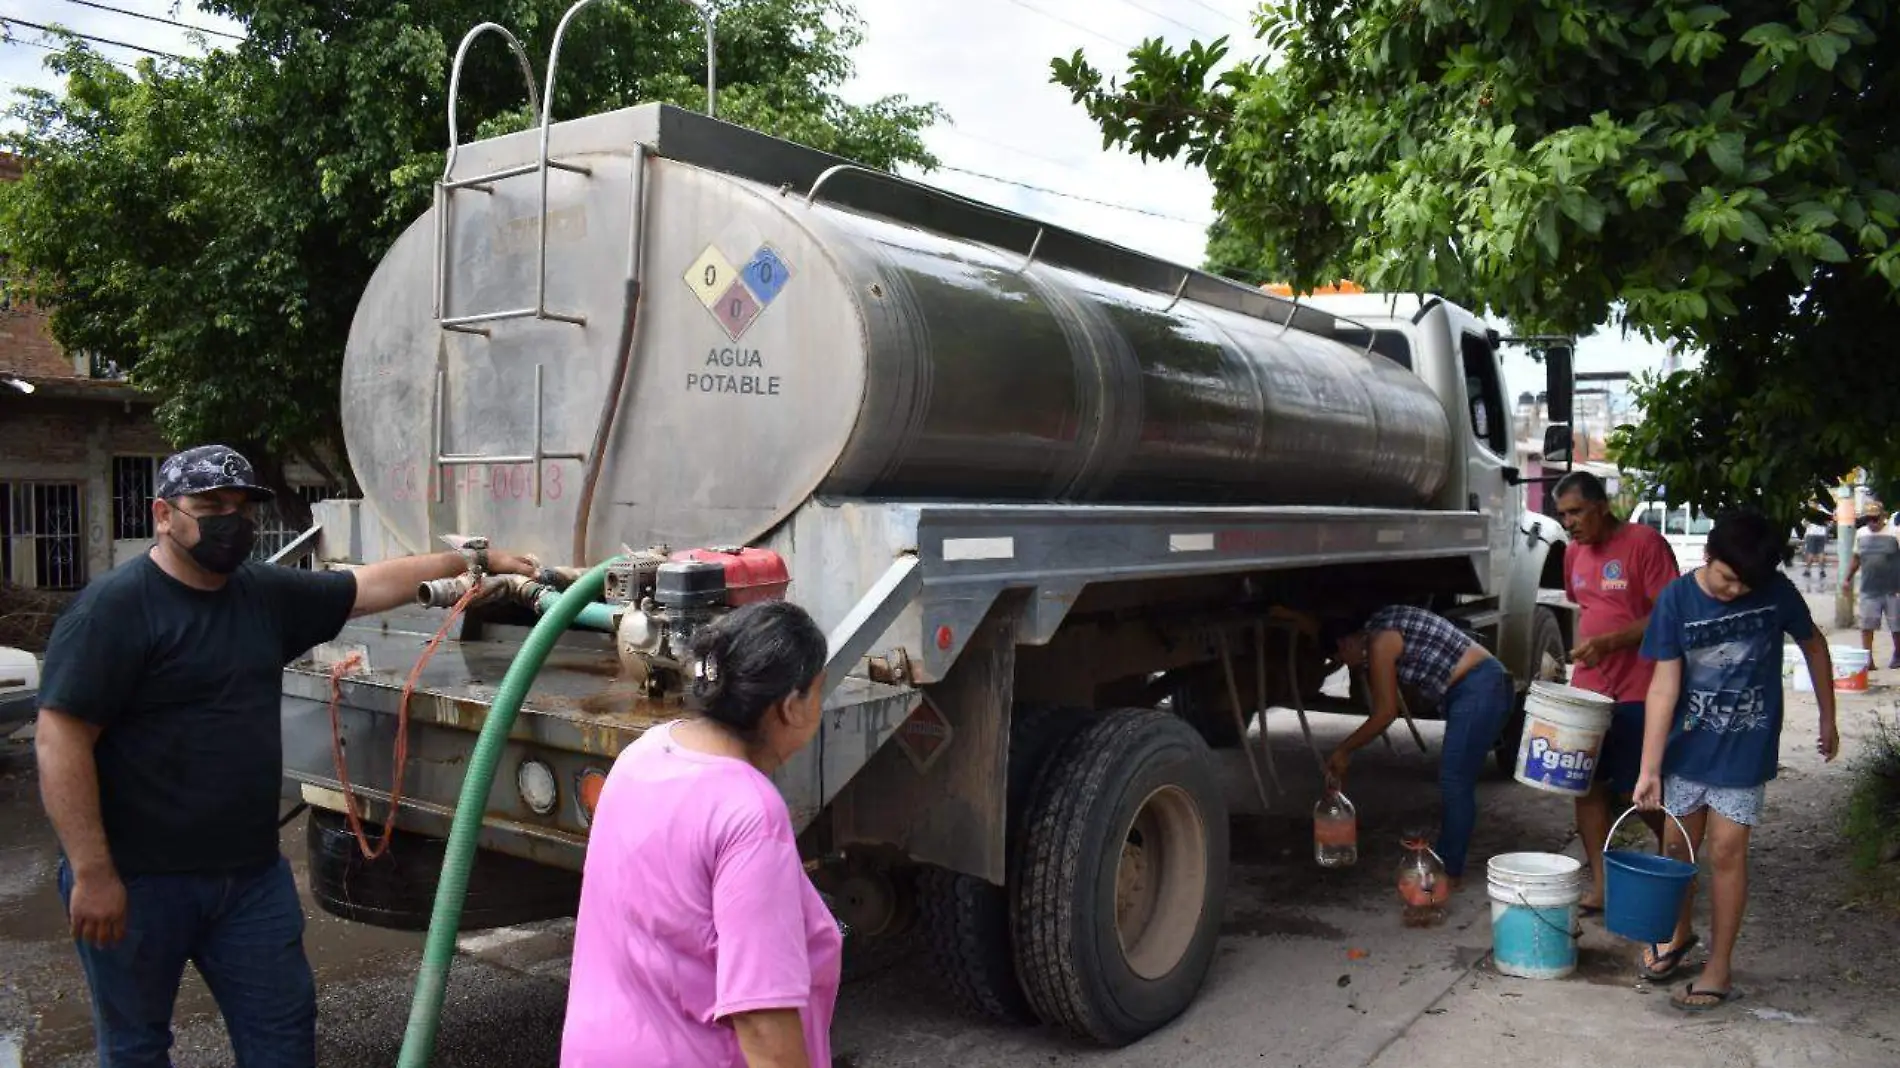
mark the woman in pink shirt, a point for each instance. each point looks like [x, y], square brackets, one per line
[700, 942]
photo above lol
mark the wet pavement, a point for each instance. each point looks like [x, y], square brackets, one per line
[1314, 968]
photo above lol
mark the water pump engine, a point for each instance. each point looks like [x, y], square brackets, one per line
[670, 596]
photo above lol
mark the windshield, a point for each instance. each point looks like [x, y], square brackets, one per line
[1682, 521]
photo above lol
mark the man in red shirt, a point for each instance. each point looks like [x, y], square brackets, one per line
[1614, 571]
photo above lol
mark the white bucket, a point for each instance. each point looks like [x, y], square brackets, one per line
[1850, 668]
[1534, 913]
[1563, 730]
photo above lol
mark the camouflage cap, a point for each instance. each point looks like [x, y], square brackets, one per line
[207, 468]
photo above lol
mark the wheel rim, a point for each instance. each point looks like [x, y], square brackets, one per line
[1160, 882]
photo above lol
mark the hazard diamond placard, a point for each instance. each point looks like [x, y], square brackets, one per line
[924, 736]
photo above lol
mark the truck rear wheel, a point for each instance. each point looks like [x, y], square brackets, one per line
[397, 889]
[966, 920]
[966, 924]
[1547, 665]
[1122, 878]
[877, 906]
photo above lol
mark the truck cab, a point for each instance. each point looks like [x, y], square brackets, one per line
[1459, 356]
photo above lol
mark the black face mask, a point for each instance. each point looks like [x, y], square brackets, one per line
[224, 542]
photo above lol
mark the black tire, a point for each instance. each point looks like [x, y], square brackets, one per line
[397, 889]
[1138, 780]
[1548, 657]
[966, 925]
[964, 920]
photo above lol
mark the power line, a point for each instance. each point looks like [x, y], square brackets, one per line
[1076, 196]
[1196, 31]
[9, 20]
[55, 48]
[957, 131]
[1026, 6]
[155, 18]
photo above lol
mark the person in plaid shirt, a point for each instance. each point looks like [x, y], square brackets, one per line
[1400, 643]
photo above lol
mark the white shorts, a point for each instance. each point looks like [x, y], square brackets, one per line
[1736, 804]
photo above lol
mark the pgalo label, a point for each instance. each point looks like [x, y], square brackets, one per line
[1560, 758]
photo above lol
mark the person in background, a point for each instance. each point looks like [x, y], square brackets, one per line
[700, 942]
[1877, 562]
[1614, 572]
[1400, 643]
[161, 759]
[1712, 737]
[1814, 550]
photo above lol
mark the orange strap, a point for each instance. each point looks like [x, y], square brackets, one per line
[401, 757]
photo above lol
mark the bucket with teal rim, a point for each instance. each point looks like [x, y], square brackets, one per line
[1534, 900]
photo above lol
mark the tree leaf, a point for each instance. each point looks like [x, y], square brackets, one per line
[1752, 230]
[1725, 151]
[1824, 49]
[1755, 69]
[1767, 33]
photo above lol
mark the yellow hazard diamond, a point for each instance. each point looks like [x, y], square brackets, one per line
[710, 276]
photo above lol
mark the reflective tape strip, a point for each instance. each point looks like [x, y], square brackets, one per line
[979, 549]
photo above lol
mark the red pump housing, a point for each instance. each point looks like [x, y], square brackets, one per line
[751, 574]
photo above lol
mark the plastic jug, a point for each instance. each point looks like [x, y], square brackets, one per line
[1423, 886]
[1335, 831]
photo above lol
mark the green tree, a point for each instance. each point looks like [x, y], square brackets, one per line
[1721, 174]
[210, 223]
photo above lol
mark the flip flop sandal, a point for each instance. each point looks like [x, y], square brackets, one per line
[1667, 964]
[1686, 1002]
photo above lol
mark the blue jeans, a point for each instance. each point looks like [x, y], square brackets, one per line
[1475, 711]
[243, 930]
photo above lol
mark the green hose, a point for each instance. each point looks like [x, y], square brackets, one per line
[418, 1041]
[593, 615]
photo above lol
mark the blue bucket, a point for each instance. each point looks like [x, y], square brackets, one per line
[1642, 892]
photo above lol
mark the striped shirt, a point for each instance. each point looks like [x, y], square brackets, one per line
[1433, 646]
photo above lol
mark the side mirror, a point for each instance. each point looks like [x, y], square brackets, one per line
[1560, 382]
[1557, 442]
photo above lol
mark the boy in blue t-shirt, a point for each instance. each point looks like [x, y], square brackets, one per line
[1713, 725]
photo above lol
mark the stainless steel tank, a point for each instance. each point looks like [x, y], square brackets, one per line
[875, 341]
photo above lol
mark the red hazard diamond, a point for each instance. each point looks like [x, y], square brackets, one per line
[924, 735]
[735, 309]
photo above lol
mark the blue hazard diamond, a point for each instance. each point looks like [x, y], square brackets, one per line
[766, 274]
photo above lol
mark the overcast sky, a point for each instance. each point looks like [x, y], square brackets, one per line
[987, 63]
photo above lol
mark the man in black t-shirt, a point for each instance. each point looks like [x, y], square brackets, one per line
[160, 761]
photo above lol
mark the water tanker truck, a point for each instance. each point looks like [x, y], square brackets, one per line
[1058, 505]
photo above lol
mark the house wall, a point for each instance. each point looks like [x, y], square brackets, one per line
[65, 441]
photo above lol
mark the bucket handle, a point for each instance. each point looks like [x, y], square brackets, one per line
[1626, 815]
[1575, 934]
